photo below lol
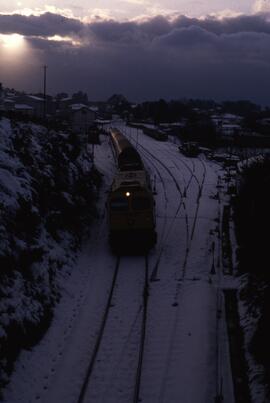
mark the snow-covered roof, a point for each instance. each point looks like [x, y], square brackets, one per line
[230, 126]
[231, 116]
[226, 116]
[93, 108]
[172, 125]
[66, 99]
[101, 121]
[78, 106]
[35, 98]
[23, 106]
[8, 100]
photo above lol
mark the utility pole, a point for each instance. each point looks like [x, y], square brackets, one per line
[44, 90]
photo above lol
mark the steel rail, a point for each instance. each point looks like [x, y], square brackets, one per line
[136, 397]
[91, 365]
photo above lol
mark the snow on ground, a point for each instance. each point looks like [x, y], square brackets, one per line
[41, 211]
[186, 348]
[37, 370]
[249, 321]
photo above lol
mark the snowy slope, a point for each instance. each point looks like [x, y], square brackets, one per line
[42, 214]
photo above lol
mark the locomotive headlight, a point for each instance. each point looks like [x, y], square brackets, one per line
[127, 194]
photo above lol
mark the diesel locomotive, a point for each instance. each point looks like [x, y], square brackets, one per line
[130, 205]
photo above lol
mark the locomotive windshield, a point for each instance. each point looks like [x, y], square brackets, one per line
[119, 204]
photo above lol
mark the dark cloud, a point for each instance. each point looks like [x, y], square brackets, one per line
[187, 38]
[243, 23]
[159, 57]
[47, 24]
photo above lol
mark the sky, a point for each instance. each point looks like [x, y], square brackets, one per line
[143, 49]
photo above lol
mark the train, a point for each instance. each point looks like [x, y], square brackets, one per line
[130, 204]
[155, 133]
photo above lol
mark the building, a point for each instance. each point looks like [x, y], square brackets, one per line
[227, 124]
[24, 109]
[35, 102]
[29, 104]
[82, 118]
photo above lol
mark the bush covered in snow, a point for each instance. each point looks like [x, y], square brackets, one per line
[252, 215]
[47, 197]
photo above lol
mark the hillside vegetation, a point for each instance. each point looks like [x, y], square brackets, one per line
[252, 215]
[48, 189]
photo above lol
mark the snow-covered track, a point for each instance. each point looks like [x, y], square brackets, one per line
[191, 170]
[136, 398]
[123, 327]
[164, 191]
[178, 209]
[100, 335]
[201, 185]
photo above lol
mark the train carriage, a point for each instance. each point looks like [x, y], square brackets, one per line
[126, 156]
[155, 133]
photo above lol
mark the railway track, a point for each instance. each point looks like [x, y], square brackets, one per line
[99, 336]
[191, 222]
[166, 199]
[200, 184]
[200, 181]
[181, 204]
[137, 388]
[198, 173]
[140, 320]
[190, 227]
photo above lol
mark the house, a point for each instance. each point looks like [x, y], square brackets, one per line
[63, 104]
[24, 109]
[82, 118]
[8, 104]
[227, 124]
[37, 103]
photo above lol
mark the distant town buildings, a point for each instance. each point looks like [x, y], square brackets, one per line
[79, 117]
[228, 122]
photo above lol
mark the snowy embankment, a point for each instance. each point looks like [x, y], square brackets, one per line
[252, 201]
[47, 194]
[251, 295]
